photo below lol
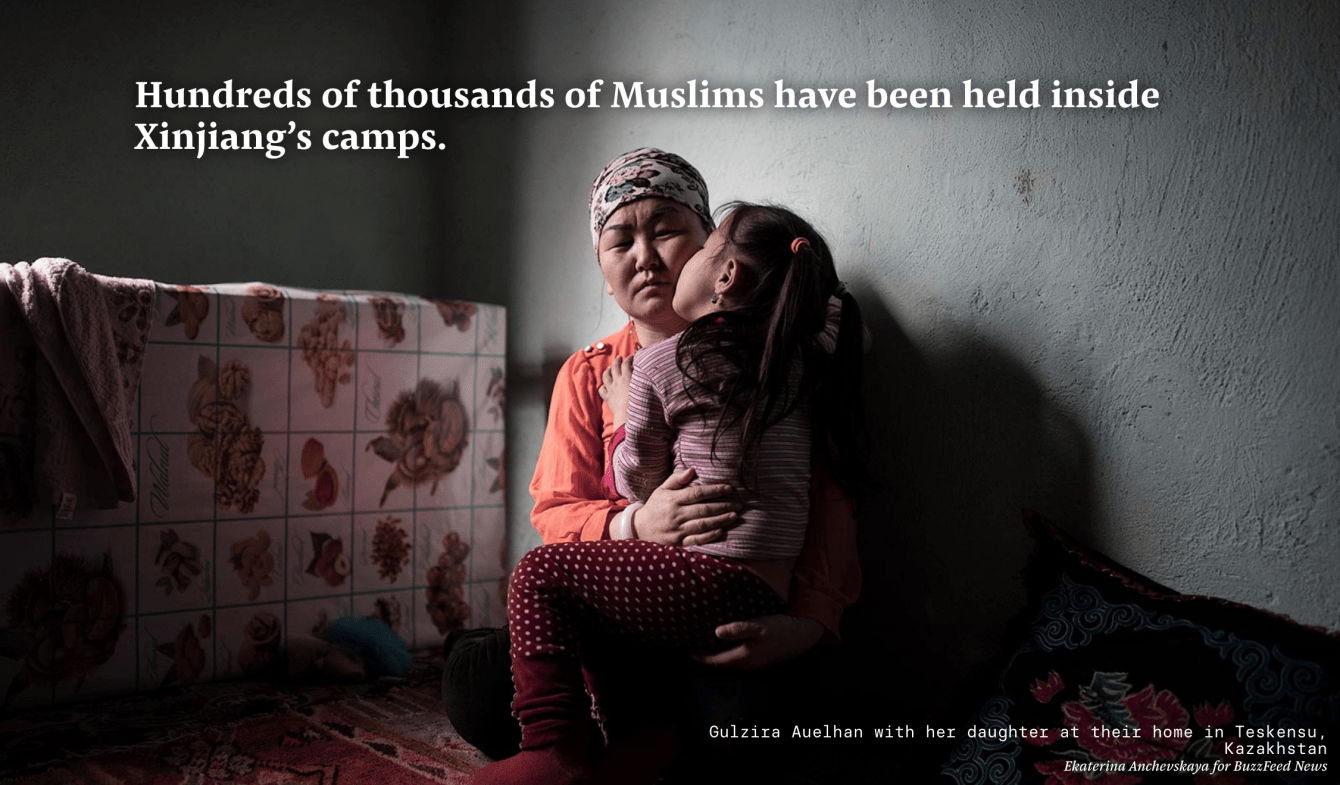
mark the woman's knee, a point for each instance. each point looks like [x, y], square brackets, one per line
[539, 567]
[477, 690]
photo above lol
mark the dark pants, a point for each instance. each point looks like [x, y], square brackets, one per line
[477, 690]
[477, 694]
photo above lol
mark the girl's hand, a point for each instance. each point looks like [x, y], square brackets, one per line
[764, 641]
[614, 388]
[677, 514]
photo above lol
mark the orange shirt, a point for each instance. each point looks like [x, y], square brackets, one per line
[572, 504]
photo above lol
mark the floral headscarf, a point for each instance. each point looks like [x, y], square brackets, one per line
[643, 173]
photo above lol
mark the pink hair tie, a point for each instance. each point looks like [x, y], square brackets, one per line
[797, 243]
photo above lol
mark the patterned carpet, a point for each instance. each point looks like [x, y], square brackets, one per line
[253, 732]
[246, 733]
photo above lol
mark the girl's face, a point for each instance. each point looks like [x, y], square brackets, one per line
[642, 249]
[699, 281]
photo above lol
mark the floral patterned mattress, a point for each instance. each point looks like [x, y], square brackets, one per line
[302, 455]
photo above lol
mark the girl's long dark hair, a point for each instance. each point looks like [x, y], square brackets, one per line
[748, 357]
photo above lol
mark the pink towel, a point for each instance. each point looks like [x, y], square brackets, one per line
[69, 374]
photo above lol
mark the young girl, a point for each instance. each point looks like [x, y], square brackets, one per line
[736, 396]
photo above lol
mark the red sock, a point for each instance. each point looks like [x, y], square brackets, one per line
[640, 758]
[559, 765]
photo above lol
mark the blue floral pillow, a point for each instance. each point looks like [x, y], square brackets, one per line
[1116, 680]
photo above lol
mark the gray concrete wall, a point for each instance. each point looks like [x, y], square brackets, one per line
[1126, 319]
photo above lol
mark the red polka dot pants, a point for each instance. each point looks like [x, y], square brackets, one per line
[567, 596]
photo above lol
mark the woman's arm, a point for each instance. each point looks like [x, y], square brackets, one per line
[676, 512]
[826, 580]
[827, 577]
[569, 501]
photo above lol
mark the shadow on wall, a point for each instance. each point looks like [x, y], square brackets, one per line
[479, 49]
[81, 182]
[962, 439]
[536, 382]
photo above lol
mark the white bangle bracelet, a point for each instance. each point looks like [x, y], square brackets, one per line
[625, 530]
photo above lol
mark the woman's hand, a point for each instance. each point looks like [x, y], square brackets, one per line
[677, 514]
[764, 641]
[614, 388]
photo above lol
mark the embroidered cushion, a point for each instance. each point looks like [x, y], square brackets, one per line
[1112, 678]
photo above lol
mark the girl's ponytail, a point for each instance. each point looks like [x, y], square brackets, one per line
[797, 315]
[839, 413]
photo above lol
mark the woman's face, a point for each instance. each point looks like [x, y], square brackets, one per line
[698, 281]
[642, 249]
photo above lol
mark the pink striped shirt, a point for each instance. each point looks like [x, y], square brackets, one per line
[668, 431]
